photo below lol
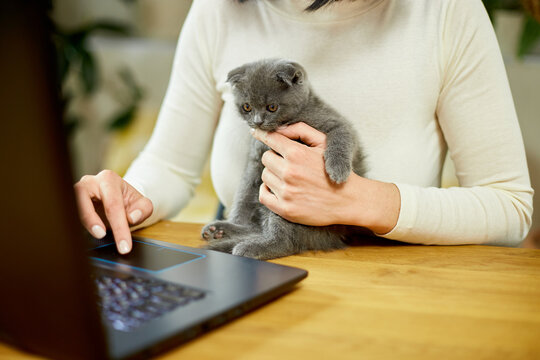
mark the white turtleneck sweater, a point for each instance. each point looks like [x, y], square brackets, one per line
[415, 77]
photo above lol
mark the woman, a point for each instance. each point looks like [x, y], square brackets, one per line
[416, 78]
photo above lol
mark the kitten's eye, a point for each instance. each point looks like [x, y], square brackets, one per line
[272, 107]
[246, 107]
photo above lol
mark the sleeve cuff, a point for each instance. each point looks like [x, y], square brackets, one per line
[135, 184]
[407, 213]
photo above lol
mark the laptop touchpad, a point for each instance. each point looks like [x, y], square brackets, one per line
[144, 256]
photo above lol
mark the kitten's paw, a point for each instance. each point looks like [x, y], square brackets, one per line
[225, 246]
[338, 169]
[214, 231]
[252, 250]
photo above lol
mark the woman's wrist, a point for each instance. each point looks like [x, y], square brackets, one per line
[374, 204]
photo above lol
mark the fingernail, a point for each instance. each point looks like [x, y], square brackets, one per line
[98, 232]
[135, 215]
[252, 130]
[123, 247]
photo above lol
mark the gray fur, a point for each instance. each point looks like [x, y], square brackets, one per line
[253, 230]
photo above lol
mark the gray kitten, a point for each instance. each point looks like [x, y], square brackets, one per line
[271, 93]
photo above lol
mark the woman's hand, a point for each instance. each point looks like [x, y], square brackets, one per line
[107, 201]
[296, 186]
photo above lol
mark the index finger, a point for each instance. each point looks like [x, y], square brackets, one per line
[276, 141]
[304, 133]
[111, 196]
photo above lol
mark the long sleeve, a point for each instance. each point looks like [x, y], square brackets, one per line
[169, 167]
[475, 111]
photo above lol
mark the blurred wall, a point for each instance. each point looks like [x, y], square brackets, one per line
[158, 19]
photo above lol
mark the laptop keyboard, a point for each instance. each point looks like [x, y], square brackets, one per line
[129, 302]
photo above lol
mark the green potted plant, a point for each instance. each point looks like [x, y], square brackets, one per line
[74, 56]
[530, 26]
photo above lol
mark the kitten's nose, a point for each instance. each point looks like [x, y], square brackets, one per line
[257, 120]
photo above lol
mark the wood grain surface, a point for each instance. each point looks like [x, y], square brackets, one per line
[379, 299]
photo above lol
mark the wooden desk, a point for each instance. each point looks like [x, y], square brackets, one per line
[383, 300]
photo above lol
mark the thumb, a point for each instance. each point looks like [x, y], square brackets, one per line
[138, 207]
[305, 133]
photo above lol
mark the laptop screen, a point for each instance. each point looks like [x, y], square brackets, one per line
[47, 303]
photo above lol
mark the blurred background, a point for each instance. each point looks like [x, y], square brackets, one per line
[115, 58]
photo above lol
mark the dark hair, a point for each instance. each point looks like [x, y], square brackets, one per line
[315, 5]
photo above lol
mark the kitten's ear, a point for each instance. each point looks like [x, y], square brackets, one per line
[291, 73]
[236, 75]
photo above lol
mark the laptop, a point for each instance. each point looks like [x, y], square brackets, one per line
[64, 295]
